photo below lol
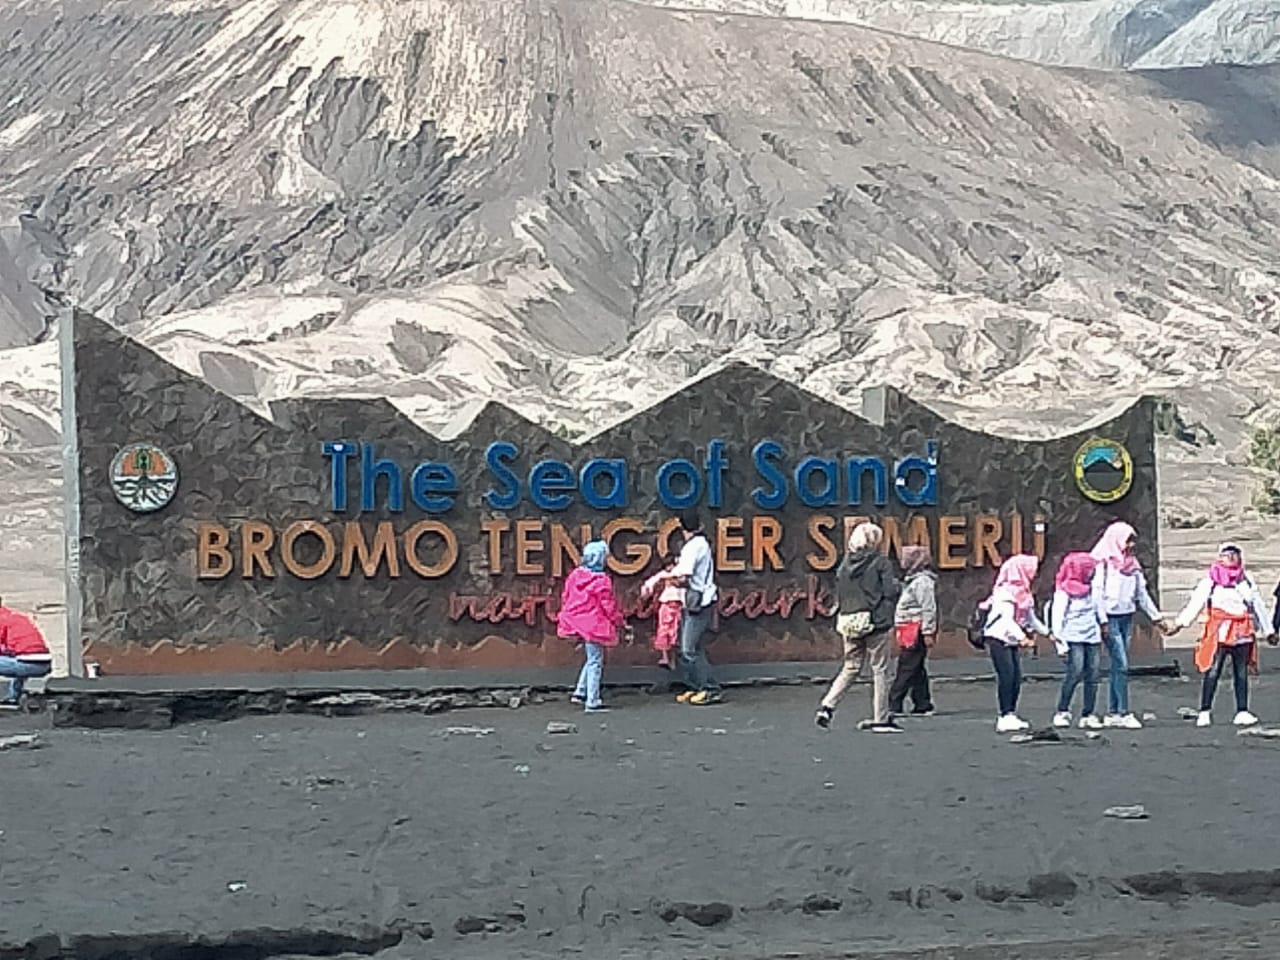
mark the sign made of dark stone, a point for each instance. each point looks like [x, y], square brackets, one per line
[340, 534]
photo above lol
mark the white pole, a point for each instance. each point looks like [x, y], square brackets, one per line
[71, 492]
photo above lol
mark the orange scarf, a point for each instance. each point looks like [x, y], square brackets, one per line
[1231, 630]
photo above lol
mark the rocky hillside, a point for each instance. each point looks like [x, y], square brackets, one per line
[574, 204]
[1103, 34]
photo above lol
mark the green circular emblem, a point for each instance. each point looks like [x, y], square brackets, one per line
[143, 477]
[1103, 470]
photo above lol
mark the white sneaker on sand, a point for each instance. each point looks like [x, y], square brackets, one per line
[1126, 721]
[1204, 719]
[1090, 722]
[1010, 723]
[1062, 719]
[1245, 719]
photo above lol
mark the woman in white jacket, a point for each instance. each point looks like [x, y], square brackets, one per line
[1120, 590]
[1237, 619]
[1010, 622]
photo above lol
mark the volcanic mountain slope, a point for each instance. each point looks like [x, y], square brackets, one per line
[1107, 34]
[572, 205]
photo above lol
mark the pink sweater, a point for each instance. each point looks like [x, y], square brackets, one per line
[588, 609]
[671, 593]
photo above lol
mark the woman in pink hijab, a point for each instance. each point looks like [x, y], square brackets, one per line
[1077, 623]
[1010, 621]
[1120, 588]
[1237, 619]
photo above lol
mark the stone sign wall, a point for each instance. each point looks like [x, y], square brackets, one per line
[337, 534]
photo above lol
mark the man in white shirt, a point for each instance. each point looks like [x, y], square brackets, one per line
[695, 571]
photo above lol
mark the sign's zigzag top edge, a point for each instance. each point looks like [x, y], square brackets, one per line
[475, 413]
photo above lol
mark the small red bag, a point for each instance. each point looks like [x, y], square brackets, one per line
[908, 634]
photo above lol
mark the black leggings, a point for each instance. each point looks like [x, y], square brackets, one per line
[1239, 654]
[1008, 663]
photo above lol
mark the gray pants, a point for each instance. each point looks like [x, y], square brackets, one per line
[693, 656]
[876, 649]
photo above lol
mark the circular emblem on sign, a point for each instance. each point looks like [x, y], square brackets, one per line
[144, 477]
[1104, 470]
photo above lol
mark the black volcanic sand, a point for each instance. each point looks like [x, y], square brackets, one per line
[657, 830]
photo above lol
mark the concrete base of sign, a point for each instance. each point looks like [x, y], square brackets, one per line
[156, 702]
[494, 654]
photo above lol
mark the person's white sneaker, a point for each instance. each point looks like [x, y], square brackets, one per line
[1090, 722]
[1244, 719]
[1062, 719]
[1022, 724]
[1123, 721]
[1009, 723]
[1204, 719]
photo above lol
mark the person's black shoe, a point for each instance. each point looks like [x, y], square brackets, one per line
[926, 712]
[823, 717]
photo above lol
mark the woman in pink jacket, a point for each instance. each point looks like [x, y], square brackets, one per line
[589, 614]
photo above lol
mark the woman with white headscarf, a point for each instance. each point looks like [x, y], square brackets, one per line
[867, 593]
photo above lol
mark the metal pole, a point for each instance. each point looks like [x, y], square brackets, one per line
[71, 492]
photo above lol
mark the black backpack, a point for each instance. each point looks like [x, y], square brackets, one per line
[974, 630]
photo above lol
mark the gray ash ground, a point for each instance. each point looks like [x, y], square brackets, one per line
[506, 841]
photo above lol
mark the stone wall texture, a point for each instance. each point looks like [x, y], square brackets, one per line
[147, 610]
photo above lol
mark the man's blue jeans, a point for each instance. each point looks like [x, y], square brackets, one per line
[18, 672]
[1119, 633]
[588, 689]
[693, 657]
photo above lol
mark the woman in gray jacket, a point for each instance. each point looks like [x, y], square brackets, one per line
[916, 625]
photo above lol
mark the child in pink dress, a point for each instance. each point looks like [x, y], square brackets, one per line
[670, 608]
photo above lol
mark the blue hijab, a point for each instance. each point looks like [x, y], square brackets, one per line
[594, 555]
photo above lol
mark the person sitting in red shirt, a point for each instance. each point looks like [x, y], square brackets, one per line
[23, 653]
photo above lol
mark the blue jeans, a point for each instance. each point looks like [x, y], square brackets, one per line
[588, 688]
[694, 667]
[19, 671]
[1082, 664]
[1119, 633]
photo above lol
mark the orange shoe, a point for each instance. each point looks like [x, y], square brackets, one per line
[686, 696]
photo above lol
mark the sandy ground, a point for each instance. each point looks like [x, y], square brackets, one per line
[572, 844]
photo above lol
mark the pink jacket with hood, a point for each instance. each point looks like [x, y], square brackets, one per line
[588, 608]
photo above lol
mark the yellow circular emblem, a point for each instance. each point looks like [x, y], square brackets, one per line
[1103, 470]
